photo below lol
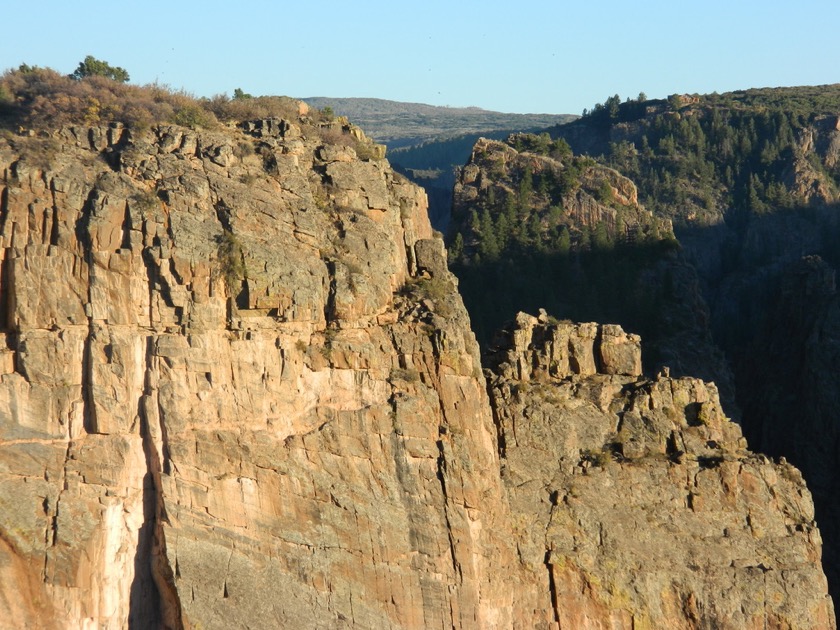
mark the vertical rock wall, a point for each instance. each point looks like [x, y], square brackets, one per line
[231, 396]
[635, 502]
[238, 388]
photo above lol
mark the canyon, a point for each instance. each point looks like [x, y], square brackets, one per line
[239, 388]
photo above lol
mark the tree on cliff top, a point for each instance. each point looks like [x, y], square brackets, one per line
[92, 67]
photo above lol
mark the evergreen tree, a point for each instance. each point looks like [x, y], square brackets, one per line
[456, 249]
[488, 246]
[91, 66]
[526, 186]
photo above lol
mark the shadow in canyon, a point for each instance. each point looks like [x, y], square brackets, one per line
[750, 304]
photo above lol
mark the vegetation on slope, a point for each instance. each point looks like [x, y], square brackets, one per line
[35, 101]
[699, 158]
[41, 98]
[535, 226]
[751, 182]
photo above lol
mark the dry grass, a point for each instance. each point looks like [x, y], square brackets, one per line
[41, 98]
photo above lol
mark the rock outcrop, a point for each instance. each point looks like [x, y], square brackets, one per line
[238, 388]
[567, 233]
[229, 393]
[635, 502]
[496, 168]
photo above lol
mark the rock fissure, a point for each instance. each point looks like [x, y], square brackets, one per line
[552, 587]
[441, 475]
[62, 482]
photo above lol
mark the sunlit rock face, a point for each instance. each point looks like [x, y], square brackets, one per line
[238, 388]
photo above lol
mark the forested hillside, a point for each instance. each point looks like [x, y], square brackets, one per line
[535, 226]
[697, 158]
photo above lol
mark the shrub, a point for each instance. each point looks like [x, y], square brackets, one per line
[604, 193]
[145, 201]
[402, 374]
[257, 107]
[231, 260]
[38, 152]
[366, 150]
[194, 116]
[599, 458]
[438, 290]
[333, 133]
[6, 99]
[431, 288]
[244, 148]
[42, 98]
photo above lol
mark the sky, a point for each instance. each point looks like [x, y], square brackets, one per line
[522, 56]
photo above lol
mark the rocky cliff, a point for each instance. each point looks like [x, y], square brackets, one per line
[751, 182]
[218, 408]
[551, 229]
[791, 412]
[238, 388]
[635, 501]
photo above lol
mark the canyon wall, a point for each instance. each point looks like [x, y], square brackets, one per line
[238, 388]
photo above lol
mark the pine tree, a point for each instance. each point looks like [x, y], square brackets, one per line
[91, 66]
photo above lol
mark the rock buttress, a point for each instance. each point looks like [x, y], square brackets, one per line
[238, 390]
[634, 501]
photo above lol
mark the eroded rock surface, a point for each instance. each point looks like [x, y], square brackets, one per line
[238, 388]
[635, 502]
[227, 400]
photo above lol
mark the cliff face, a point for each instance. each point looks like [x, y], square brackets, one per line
[635, 501]
[751, 182]
[238, 388]
[796, 418]
[214, 395]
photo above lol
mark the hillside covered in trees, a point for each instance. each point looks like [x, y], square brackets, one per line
[536, 226]
[696, 158]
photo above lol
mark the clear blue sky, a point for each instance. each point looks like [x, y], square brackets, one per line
[518, 56]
